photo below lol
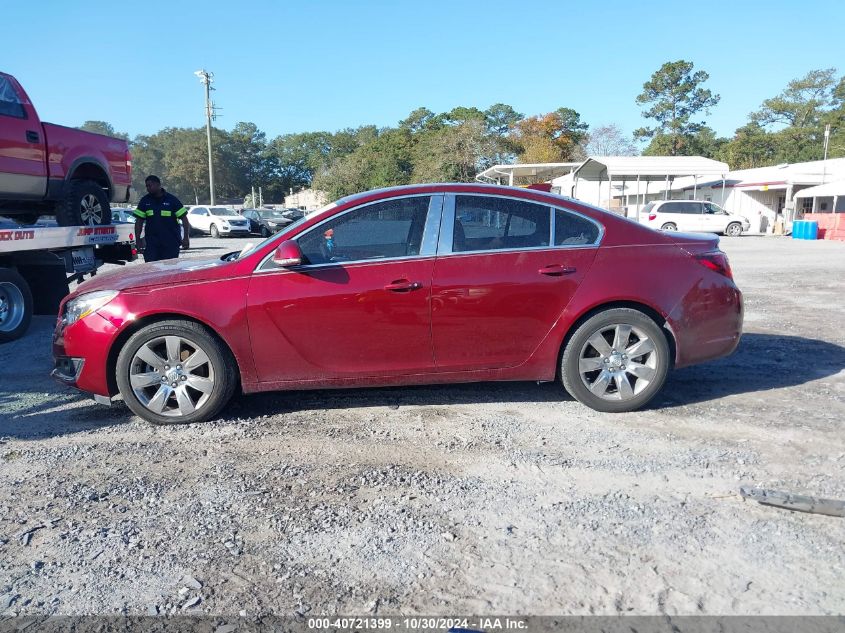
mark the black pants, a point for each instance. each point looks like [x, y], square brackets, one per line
[155, 251]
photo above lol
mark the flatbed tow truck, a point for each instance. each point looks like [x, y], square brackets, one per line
[39, 262]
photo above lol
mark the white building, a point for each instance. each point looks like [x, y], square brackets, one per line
[307, 200]
[764, 193]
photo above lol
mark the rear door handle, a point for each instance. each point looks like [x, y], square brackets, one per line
[403, 285]
[556, 270]
[31, 136]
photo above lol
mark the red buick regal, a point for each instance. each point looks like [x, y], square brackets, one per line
[423, 284]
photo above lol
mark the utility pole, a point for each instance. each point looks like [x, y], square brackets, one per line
[260, 198]
[206, 78]
[824, 160]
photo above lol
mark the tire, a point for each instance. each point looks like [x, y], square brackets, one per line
[84, 203]
[734, 229]
[15, 305]
[265, 232]
[26, 219]
[669, 226]
[597, 387]
[199, 395]
[214, 231]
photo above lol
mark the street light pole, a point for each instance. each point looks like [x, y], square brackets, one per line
[206, 78]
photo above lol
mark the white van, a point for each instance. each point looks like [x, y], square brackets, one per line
[692, 216]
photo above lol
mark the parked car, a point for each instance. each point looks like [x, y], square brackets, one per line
[390, 287]
[692, 216]
[217, 221]
[121, 215]
[48, 169]
[265, 221]
[293, 214]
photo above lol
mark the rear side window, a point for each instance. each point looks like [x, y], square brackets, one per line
[484, 223]
[686, 208]
[10, 103]
[647, 207]
[573, 230]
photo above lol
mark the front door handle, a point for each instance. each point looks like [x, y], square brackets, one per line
[556, 270]
[403, 285]
[32, 136]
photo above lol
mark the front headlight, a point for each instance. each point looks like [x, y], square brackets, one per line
[83, 305]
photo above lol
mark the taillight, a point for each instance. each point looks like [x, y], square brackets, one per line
[652, 216]
[716, 261]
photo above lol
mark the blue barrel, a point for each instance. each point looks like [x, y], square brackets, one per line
[811, 231]
[798, 230]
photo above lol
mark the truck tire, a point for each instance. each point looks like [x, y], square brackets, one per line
[84, 203]
[15, 305]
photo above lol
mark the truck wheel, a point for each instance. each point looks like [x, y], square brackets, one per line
[15, 305]
[84, 203]
[26, 219]
[175, 372]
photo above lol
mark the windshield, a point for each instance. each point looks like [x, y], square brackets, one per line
[221, 211]
[270, 214]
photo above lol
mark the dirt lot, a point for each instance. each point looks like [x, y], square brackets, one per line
[493, 498]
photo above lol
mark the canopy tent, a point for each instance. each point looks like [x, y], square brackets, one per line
[646, 169]
[537, 172]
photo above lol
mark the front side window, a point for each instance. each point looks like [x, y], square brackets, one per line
[573, 230]
[10, 103]
[384, 230]
[484, 223]
[712, 209]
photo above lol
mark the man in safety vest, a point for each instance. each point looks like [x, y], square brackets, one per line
[159, 214]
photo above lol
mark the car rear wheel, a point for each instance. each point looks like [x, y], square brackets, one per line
[175, 372]
[616, 361]
[669, 226]
[215, 232]
[734, 229]
[265, 232]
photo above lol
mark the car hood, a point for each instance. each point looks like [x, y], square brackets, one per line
[167, 272]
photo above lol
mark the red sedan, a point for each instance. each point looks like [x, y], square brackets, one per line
[413, 285]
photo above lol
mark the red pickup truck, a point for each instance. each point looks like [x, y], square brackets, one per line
[48, 169]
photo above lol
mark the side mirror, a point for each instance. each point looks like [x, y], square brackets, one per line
[287, 254]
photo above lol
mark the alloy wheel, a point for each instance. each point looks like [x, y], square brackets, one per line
[171, 376]
[90, 210]
[618, 362]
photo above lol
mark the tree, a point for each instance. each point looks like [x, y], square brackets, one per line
[453, 153]
[750, 147]
[102, 127]
[553, 137]
[501, 118]
[609, 140]
[789, 127]
[676, 96]
[801, 103]
[418, 120]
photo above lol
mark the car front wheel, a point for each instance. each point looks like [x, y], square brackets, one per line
[734, 229]
[175, 372]
[616, 361]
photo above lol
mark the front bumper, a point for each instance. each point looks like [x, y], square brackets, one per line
[80, 354]
[234, 230]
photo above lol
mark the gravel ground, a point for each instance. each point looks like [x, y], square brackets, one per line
[483, 499]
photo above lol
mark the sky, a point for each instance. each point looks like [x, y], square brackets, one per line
[332, 64]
